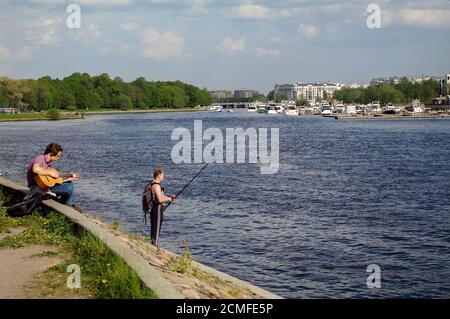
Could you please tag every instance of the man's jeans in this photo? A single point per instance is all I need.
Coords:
(66, 192)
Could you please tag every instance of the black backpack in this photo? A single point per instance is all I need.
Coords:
(29, 203)
(148, 201)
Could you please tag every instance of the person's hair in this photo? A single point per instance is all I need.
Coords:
(157, 172)
(53, 149)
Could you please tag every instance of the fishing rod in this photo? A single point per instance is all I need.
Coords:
(186, 186)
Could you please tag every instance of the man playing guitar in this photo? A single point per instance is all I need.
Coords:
(41, 166)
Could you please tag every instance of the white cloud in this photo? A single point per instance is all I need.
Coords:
(51, 2)
(4, 53)
(48, 37)
(228, 46)
(161, 45)
(263, 52)
(251, 11)
(426, 18)
(129, 26)
(197, 7)
(106, 2)
(44, 31)
(308, 30)
(46, 22)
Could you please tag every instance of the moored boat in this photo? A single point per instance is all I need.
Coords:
(291, 110)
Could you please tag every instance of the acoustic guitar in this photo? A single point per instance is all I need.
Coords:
(46, 182)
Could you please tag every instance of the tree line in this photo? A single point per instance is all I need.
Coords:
(401, 93)
(81, 91)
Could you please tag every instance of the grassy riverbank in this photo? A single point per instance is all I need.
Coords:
(36, 117)
(113, 111)
(103, 274)
(79, 114)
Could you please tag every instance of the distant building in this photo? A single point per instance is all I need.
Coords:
(445, 85)
(244, 94)
(386, 80)
(221, 94)
(397, 79)
(308, 91)
(356, 85)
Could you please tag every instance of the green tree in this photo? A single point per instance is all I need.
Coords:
(122, 102)
(280, 97)
(11, 89)
(301, 102)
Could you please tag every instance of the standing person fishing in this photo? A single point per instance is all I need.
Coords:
(153, 201)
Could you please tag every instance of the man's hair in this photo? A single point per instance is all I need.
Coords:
(157, 172)
(53, 149)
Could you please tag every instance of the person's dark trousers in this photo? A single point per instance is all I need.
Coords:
(156, 219)
(65, 192)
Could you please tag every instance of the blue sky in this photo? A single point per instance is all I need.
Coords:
(226, 44)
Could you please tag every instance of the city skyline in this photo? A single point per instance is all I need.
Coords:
(226, 44)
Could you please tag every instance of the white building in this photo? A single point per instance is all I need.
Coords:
(308, 91)
(445, 85)
(357, 85)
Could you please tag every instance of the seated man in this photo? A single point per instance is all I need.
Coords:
(41, 165)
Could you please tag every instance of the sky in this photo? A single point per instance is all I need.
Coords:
(226, 44)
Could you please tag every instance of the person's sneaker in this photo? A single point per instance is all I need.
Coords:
(155, 244)
(51, 193)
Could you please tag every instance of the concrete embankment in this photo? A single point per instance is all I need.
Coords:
(169, 275)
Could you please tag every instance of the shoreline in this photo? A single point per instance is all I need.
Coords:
(103, 112)
(80, 115)
(44, 118)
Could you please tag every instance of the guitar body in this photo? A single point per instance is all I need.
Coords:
(47, 182)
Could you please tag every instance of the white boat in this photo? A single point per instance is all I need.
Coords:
(325, 109)
(262, 108)
(271, 110)
(417, 107)
(230, 110)
(375, 107)
(350, 109)
(252, 108)
(216, 108)
(390, 109)
(279, 109)
(292, 110)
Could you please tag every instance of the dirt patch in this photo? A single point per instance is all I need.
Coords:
(13, 232)
(19, 269)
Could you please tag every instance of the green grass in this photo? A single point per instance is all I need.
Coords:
(70, 114)
(183, 263)
(104, 273)
(32, 116)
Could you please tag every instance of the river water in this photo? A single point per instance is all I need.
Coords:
(348, 194)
